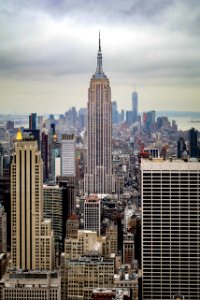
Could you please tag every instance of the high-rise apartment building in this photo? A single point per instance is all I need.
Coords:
(98, 177)
(92, 214)
(134, 106)
(27, 208)
(170, 229)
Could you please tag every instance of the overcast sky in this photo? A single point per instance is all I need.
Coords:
(48, 53)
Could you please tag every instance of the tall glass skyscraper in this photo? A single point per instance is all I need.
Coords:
(98, 177)
(135, 106)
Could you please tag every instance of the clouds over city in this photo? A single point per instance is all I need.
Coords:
(51, 45)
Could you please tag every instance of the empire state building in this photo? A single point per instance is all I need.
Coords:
(98, 177)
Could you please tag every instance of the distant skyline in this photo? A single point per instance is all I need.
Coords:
(48, 53)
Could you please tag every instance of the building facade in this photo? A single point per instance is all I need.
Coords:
(40, 285)
(3, 230)
(92, 214)
(68, 149)
(88, 273)
(170, 229)
(98, 177)
(27, 207)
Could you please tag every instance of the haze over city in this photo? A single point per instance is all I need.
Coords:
(48, 53)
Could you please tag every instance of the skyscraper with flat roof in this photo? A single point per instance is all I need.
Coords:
(68, 149)
(33, 121)
(193, 142)
(31, 236)
(92, 214)
(170, 229)
(98, 177)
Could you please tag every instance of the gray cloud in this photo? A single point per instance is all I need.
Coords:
(151, 42)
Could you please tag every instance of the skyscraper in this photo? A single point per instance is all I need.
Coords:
(170, 229)
(92, 214)
(28, 229)
(193, 144)
(181, 147)
(98, 177)
(3, 229)
(135, 106)
(115, 114)
(68, 148)
(33, 121)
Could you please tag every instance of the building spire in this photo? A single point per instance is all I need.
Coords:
(99, 42)
(99, 69)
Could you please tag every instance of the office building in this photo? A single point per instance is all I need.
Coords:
(99, 177)
(134, 106)
(86, 273)
(86, 240)
(193, 142)
(111, 294)
(45, 154)
(111, 239)
(69, 189)
(32, 285)
(3, 229)
(27, 224)
(5, 161)
(72, 226)
(54, 157)
(92, 214)
(128, 248)
(181, 147)
(115, 114)
(10, 125)
(129, 117)
(33, 121)
(170, 229)
(127, 279)
(54, 209)
(68, 149)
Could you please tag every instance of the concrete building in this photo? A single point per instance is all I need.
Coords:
(99, 177)
(127, 279)
(86, 240)
(92, 214)
(128, 248)
(72, 226)
(111, 294)
(68, 147)
(86, 273)
(111, 239)
(170, 229)
(32, 285)
(27, 222)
